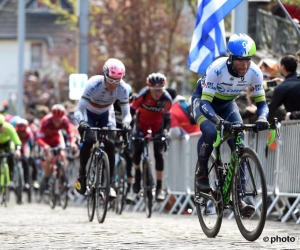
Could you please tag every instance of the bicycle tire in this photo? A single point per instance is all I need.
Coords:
(148, 185)
(5, 188)
(52, 195)
(121, 188)
(102, 187)
(62, 187)
(254, 175)
(209, 212)
(18, 185)
(91, 195)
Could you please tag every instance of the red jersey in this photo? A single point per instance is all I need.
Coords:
(48, 133)
(26, 137)
(149, 113)
(179, 118)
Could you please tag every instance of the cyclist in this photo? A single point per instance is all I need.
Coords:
(8, 139)
(127, 152)
(152, 107)
(49, 136)
(214, 96)
(95, 109)
(27, 138)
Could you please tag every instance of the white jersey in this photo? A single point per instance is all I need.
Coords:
(219, 83)
(98, 100)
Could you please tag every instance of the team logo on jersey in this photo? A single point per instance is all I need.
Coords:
(220, 88)
(258, 87)
(210, 85)
(226, 84)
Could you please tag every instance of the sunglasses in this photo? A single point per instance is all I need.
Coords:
(157, 89)
(112, 81)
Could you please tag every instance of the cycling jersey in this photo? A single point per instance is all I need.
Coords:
(27, 139)
(97, 100)
(150, 113)
(222, 85)
(9, 133)
(49, 133)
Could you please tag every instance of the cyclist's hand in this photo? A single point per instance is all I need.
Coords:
(83, 125)
(17, 153)
(261, 124)
(227, 126)
(126, 127)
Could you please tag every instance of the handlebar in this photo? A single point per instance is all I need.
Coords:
(105, 130)
(274, 127)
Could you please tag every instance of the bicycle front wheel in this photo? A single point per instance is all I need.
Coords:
(91, 198)
(249, 185)
(102, 187)
(52, 195)
(121, 187)
(210, 211)
(148, 186)
(19, 181)
(63, 187)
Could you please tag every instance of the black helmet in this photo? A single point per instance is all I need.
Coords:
(156, 80)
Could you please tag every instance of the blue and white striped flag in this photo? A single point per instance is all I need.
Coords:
(209, 39)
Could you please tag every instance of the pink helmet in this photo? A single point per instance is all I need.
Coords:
(114, 68)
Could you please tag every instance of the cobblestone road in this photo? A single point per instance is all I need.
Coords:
(37, 226)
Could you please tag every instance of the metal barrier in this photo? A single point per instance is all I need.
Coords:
(280, 167)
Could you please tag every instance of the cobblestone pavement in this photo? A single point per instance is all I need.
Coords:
(37, 226)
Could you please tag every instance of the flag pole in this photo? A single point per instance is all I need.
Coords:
(289, 17)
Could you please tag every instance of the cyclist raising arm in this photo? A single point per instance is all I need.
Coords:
(8, 135)
(95, 109)
(152, 107)
(213, 99)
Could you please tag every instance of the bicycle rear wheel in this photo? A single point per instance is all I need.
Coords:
(91, 180)
(249, 184)
(121, 186)
(102, 187)
(210, 211)
(148, 186)
(63, 187)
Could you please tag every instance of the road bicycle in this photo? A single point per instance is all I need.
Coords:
(58, 183)
(98, 174)
(4, 178)
(148, 185)
(241, 178)
(120, 172)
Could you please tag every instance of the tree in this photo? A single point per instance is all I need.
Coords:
(145, 34)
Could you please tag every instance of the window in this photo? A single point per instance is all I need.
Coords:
(36, 56)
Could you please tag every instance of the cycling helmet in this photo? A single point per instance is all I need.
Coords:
(13, 121)
(241, 47)
(58, 111)
(114, 68)
(156, 80)
(21, 125)
(2, 119)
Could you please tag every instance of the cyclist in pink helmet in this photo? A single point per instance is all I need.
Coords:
(95, 109)
(114, 71)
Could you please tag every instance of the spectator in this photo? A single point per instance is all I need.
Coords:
(282, 95)
(182, 122)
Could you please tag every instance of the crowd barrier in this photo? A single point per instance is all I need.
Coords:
(280, 165)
